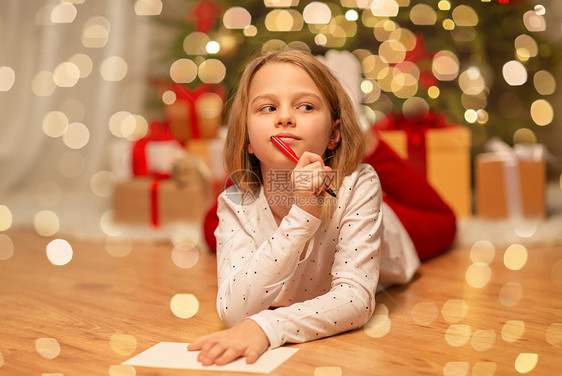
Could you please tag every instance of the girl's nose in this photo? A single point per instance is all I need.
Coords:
(285, 119)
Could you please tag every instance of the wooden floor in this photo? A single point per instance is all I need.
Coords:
(466, 313)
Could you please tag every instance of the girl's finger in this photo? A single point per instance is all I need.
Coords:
(228, 356)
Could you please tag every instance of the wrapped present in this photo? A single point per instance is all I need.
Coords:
(196, 113)
(182, 172)
(510, 183)
(144, 201)
(210, 151)
(439, 150)
(154, 155)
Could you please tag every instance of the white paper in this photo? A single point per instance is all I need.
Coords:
(175, 355)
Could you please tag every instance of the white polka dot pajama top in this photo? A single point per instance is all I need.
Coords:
(331, 288)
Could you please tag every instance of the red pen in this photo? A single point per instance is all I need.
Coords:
(293, 156)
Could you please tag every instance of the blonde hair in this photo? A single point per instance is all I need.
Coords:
(344, 159)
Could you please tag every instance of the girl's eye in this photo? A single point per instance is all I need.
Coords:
(268, 109)
(306, 107)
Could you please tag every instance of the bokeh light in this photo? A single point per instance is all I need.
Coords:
(483, 251)
(76, 136)
(524, 136)
(195, 43)
(384, 8)
(553, 333)
(185, 255)
(478, 275)
(514, 73)
(542, 112)
(445, 66)
(122, 370)
(148, 7)
(63, 12)
(526, 362)
(317, 13)
(184, 306)
(484, 369)
(6, 247)
(510, 294)
(123, 344)
(66, 74)
(43, 84)
(48, 348)
(55, 124)
(46, 223)
(183, 71)
(113, 68)
(458, 334)
(6, 218)
(169, 97)
(515, 257)
(379, 324)
(471, 81)
(102, 183)
(425, 313)
(117, 247)
(7, 78)
(513, 330)
(456, 368)
(236, 18)
(84, 64)
(212, 71)
(454, 310)
(423, 14)
(544, 82)
(483, 340)
(108, 226)
(328, 371)
(351, 15)
(464, 15)
(95, 33)
(59, 252)
(534, 22)
(213, 47)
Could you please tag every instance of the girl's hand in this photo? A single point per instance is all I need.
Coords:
(246, 340)
(309, 182)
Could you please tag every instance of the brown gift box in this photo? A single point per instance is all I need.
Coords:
(510, 185)
(447, 162)
(144, 201)
(196, 113)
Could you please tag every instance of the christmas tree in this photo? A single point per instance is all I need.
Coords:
(485, 64)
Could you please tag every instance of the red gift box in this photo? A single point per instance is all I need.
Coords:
(155, 154)
(196, 113)
(438, 150)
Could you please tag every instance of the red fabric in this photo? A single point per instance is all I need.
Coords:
(205, 14)
(158, 132)
(429, 221)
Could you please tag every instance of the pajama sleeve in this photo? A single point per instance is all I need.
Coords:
(350, 301)
(251, 275)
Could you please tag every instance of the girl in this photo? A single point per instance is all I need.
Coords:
(294, 266)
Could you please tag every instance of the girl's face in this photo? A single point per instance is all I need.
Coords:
(284, 101)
